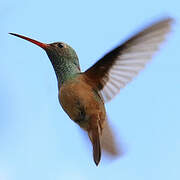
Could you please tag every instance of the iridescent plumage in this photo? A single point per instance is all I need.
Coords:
(82, 94)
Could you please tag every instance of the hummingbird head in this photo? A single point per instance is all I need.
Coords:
(63, 57)
(61, 53)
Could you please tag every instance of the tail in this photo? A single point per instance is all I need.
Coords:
(94, 137)
(108, 141)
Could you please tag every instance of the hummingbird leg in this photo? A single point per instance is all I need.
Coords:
(81, 116)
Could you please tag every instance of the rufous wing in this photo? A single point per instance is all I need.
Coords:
(117, 68)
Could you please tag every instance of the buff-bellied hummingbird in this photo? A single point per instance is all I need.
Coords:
(82, 95)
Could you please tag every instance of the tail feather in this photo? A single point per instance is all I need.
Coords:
(108, 141)
(94, 136)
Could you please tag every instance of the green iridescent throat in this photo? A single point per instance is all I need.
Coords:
(66, 72)
(65, 67)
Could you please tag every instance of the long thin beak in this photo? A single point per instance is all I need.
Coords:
(42, 45)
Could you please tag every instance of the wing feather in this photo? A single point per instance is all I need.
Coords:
(117, 68)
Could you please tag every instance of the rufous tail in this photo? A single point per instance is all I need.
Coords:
(94, 137)
(108, 141)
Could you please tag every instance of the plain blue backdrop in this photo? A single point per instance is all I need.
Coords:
(38, 140)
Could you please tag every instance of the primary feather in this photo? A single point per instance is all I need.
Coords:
(117, 68)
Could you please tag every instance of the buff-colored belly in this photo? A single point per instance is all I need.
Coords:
(81, 102)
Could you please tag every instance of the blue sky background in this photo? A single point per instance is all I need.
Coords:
(38, 140)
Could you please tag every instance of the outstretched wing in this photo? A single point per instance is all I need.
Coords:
(117, 68)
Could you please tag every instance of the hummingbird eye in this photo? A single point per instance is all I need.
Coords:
(60, 45)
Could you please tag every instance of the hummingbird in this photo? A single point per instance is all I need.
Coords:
(83, 95)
